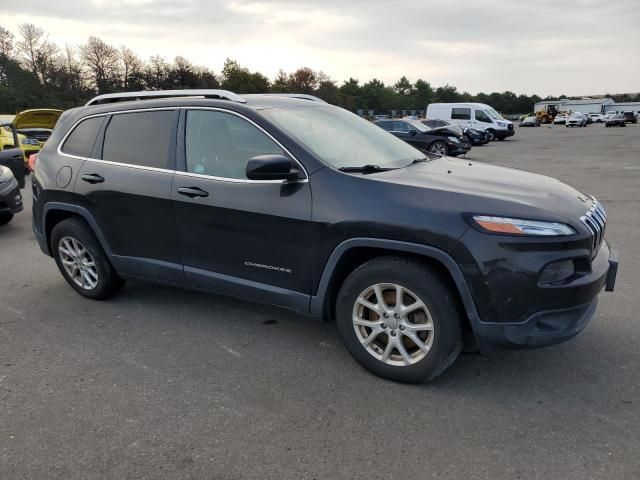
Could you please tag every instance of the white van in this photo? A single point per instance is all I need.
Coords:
(478, 116)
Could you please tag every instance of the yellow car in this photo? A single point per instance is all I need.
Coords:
(32, 127)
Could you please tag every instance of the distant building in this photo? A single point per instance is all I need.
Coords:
(624, 107)
(584, 105)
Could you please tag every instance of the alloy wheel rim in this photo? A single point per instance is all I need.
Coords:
(439, 149)
(393, 324)
(78, 263)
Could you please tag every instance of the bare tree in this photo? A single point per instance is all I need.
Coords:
(72, 68)
(102, 62)
(157, 72)
(6, 42)
(131, 68)
(29, 46)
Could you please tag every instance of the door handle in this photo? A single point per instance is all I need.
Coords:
(192, 192)
(92, 178)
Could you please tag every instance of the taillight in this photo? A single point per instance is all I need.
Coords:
(33, 158)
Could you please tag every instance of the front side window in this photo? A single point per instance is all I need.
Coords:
(481, 116)
(221, 144)
(461, 113)
(139, 138)
(80, 142)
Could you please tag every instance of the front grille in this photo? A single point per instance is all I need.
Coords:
(596, 221)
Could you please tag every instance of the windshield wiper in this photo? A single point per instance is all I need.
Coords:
(366, 169)
(420, 160)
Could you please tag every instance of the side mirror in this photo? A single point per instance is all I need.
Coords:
(413, 133)
(271, 167)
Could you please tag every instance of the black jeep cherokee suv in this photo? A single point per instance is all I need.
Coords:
(301, 204)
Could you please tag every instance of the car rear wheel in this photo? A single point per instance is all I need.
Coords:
(399, 320)
(439, 148)
(5, 218)
(82, 261)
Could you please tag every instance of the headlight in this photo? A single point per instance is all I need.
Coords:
(501, 124)
(518, 226)
(29, 141)
(472, 131)
(5, 174)
(454, 139)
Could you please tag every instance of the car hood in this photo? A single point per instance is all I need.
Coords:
(37, 118)
(449, 129)
(493, 189)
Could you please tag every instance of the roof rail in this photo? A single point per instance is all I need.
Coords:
(302, 96)
(155, 94)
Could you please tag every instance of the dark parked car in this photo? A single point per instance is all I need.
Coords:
(630, 117)
(304, 205)
(10, 198)
(617, 120)
(13, 159)
(439, 141)
(531, 121)
(474, 137)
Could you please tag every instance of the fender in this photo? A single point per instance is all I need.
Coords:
(84, 213)
(317, 304)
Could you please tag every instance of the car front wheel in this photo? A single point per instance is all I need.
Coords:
(399, 319)
(439, 148)
(5, 218)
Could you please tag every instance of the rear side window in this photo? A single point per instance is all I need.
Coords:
(80, 141)
(141, 138)
(461, 113)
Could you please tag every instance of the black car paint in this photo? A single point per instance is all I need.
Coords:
(13, 159)
(424, 140)
(473, 136)
(306, 232)
(10, 197)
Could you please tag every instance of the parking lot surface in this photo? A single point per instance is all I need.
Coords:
(168, 383)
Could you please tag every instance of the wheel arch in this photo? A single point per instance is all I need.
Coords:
(56, 212)
(354, 252)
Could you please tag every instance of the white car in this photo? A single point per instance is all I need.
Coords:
(560, 119)
(597, 117)
(577, 119)
(609, 114)
(478, 116)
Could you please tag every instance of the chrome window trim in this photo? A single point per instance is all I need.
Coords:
(179, 172)
(74, 126)
(241, 180)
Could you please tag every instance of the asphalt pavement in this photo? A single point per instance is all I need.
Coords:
(168, 383)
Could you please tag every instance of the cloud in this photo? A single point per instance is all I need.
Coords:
(545, 47)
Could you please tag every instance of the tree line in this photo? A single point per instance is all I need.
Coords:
(35, 72)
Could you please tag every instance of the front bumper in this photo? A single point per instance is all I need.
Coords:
(10, 197)
(505, 133)
(552, 313)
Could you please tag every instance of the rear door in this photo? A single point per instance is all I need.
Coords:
(127, 188)
(238, 236)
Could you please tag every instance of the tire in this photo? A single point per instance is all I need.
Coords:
(68, 239)
(442, 343)
(623, 125)
(439, 148)
(492, 135)
(5, 218)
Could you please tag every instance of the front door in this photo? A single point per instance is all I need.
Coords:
(237, 236)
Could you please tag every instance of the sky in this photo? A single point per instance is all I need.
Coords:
(547, 47)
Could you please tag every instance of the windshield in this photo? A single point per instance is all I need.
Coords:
(493, 114)
(340, 138)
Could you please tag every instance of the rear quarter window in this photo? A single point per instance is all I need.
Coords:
(82, 138)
